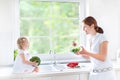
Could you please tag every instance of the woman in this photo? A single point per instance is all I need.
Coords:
(96, 49)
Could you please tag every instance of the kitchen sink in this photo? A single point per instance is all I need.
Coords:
(61, 67)
(47, 68)
(52, 67)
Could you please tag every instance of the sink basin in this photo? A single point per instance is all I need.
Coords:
(60, 67)
(47, 68)
(52, 67)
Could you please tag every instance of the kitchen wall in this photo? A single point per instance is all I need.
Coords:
(105, 11)
(8, 22)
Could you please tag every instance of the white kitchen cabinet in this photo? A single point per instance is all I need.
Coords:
(10, 79)
(14, 79)
(66, 77)
(116, 66)
(38, 78)
(84, 76)
(118, 75)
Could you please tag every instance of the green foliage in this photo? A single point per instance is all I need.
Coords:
(15, 53)
(36, 59)
(49, 25)
(76, 49)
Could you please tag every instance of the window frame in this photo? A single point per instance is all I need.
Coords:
(59, 57)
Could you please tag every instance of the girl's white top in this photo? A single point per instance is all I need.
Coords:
(19, 66)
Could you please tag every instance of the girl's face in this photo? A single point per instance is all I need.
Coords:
(26, 44)
(88, 29)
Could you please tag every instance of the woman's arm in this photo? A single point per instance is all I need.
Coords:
(101, 55)
(85, 56)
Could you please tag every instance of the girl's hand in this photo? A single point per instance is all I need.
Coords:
(35, 64)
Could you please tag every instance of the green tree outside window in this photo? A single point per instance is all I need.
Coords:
(49, 25)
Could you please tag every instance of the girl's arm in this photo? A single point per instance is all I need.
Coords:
(101, 55)
(26, 61)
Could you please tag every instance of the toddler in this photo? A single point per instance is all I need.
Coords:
(22, 63)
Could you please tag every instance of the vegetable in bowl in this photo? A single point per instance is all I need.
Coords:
(75, 49)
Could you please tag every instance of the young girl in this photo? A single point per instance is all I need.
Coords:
(22, 63)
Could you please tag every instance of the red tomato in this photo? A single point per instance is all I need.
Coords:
(72, 64)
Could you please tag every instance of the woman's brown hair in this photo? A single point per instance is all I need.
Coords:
(91, 20)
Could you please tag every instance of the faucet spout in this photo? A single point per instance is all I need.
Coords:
(53, 56)
(50, 52)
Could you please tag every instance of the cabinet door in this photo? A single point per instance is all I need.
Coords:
(38, 78)
(14, 79)
(84, 76)
(118, 75)
(66, 77)
(10, 79)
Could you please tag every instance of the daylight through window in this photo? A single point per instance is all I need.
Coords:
(50, 25)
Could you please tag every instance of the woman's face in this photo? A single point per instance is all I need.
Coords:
(87, 28)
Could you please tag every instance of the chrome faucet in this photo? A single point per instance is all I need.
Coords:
(53, 56)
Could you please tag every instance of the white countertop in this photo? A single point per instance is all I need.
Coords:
(6, 72)
(116, 65)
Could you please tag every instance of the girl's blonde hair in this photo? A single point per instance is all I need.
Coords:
(21, 42)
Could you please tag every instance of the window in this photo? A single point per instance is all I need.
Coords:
(51, 24)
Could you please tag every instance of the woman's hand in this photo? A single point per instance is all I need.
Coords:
(82, 51)
(85, 56)
(77, 53)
